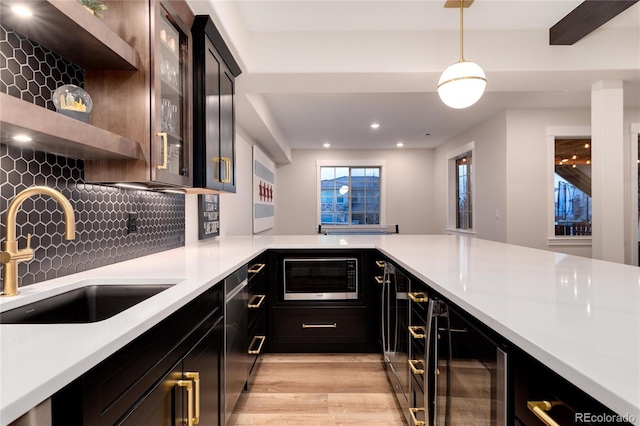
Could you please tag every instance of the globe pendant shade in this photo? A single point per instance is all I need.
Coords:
(462, 84)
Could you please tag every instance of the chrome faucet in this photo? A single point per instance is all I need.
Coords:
(11, 255)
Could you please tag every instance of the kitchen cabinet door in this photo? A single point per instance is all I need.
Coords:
(164, 405)
(204, 364)
(170, 97)
(151, 105)
(214, 130)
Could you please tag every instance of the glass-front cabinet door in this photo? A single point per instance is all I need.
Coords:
(170, 98)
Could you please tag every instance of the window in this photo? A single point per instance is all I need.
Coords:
(572, 186)
(349, 195)
(569, 202)
(464, 216)
(460, 185)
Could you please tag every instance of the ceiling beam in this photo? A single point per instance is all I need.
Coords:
(584, 19)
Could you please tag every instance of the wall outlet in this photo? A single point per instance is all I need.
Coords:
(132, 223)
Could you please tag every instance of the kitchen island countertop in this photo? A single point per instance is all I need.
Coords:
(578, 316)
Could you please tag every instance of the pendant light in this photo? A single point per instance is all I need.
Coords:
(462, 84)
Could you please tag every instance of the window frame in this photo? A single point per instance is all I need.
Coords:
(354, 164)
(469, 150)
(554, 132)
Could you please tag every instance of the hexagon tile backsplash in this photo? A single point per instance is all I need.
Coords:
(100, 211)
(32, 72)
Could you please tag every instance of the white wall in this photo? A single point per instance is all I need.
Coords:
(527, 171)
(490, 178)
(409, 189)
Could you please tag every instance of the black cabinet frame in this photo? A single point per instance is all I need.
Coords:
(214, 131)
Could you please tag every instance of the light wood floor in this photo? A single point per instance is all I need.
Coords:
(319, 389)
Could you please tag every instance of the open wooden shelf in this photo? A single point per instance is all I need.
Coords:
(68, 29)
(58, 134)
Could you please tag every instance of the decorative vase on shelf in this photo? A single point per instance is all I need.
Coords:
(73, 101)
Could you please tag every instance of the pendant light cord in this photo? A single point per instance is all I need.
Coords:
(461, 31)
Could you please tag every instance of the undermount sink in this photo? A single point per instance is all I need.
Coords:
(87, 304)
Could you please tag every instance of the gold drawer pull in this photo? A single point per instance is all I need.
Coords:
(165, 149)
(381, 263)
(379, 279)
(414, 369)
(334, 325)
(189, 385)
(252, 305)
(414, 419)
(256, 268)
(418, 332)
(418, 297)
(195, 376)
(540, 408)
(257, 351)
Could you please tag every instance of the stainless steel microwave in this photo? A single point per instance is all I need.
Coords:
(331, 278)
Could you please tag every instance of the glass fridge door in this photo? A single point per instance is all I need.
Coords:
(470, 375)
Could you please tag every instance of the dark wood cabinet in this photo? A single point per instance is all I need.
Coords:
(541, 393)
(151, 105)
(214, 73)
(170, 96)
(147, 381)
(189, 390)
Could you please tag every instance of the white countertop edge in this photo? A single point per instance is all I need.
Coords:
(14, 408)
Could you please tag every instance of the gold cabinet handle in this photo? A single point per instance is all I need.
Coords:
(414, 369)
(379, 279)
(195, 376)
(256, 305)
(254, 269)
(334, 325)
(165, 151)
(228, 161)
(418, 297)
(227, 168)
(189, 385)
(418, 332)
(257, 351)
(540, 408)
(381, 263)
(414, 419)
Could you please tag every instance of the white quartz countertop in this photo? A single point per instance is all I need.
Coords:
(578, 316)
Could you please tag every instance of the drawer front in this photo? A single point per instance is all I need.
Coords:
(257, 270)
(417, 412)
(417, 356)
(256, 308)
(319, 325)
(256, 342)
(419, 305)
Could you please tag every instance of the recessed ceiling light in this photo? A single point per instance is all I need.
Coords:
(22, 11)
(22, 138)
(326, 144)
(399, 144)
(375, 125)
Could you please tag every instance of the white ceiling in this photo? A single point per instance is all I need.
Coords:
(323, 71)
